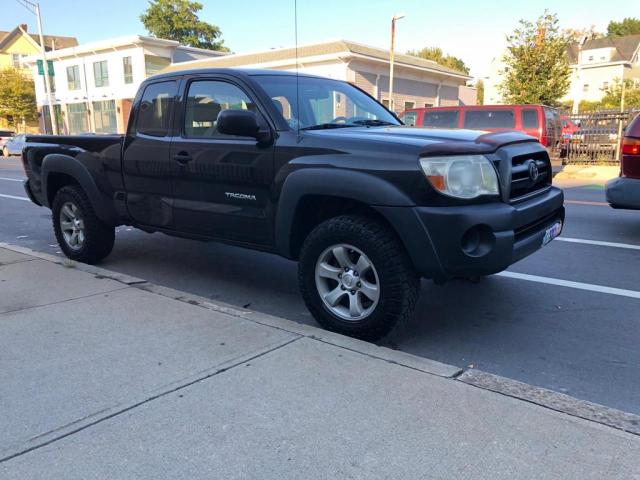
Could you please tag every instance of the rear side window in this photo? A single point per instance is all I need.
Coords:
(480, 119)
(441, 119)
(409, 118)
(156, 106)
(6, 133)
(530, 118)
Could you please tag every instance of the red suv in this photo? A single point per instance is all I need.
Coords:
(538, 121)
(624, 191)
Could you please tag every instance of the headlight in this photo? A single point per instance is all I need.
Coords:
(461, 176)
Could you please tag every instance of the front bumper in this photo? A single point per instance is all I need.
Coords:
(474, 240)
(623, 192)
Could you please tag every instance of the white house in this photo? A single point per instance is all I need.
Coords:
(417, 82)
(94, 83)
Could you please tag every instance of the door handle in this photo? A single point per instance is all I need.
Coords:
(182, 158)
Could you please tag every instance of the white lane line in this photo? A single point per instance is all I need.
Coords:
(621, 292)
(11, 179)
(598, 242)
(14, 197)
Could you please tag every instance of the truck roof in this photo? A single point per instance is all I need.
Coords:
(246, 72)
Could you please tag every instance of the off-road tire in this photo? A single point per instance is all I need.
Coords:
(399, 282)
(99, 237)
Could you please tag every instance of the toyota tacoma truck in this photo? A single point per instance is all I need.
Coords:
(309, 168)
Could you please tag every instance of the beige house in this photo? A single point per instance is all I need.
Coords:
(600, 63)
(417, 82)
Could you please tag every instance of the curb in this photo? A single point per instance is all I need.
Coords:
(559, 402)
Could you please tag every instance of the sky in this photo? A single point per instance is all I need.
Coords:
(472, 30)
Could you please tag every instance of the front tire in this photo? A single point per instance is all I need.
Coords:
(82, 236)
(5, 152)
(356, 277)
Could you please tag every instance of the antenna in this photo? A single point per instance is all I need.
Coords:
(295, 15)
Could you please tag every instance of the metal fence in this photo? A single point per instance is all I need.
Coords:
(596, 137)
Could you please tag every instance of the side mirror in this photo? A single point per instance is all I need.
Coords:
(243, 123)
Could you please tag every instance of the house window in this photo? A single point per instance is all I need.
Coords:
(101, 74)
(428, 105)
(585, 87)
(605, 85)
(73, 77)
(16, 60)
(385, 102)
(153, 65)
(127, 67)
(409, 105)
(591, 58)
(104, 116)
(78, 119)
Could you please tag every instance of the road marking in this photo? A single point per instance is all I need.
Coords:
(567, 283)
(599, 243)
(14, 197)
(11, 179)
(585, 202)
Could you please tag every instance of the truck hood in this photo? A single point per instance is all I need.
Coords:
(429, 141)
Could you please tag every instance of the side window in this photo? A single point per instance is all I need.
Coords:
(154, 113)
(441, 119)
(480, 119)
(409, 118)
(205, 100)
(530, 118)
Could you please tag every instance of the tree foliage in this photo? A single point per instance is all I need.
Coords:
(17, 97)
(437, 55)
(628, 26)
(480, 92)
(178, 20)
(536, 66)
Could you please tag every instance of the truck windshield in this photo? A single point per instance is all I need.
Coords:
(323, 103)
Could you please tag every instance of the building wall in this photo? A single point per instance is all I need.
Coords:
(468, 95)
(594, 77)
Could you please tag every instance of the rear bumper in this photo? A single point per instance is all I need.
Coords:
(474, 240)
(623, 192)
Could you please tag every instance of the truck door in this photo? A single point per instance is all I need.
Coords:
(146, 163)
(221, 182)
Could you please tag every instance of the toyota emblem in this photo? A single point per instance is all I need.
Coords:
(534, 173)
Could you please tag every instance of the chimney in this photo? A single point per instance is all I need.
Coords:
(24, 26)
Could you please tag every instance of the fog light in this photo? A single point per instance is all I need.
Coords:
(478, 241)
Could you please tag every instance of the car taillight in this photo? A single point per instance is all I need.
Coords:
(630, 163)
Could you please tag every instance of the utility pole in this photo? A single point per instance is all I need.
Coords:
(620, 120)
(391, 58)
(576, 93)
(45, 65)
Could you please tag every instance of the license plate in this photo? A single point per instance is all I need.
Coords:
(552, 232)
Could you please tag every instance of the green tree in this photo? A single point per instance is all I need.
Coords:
(613, 95)
(437, 55)
(178, 20)
(536, 67)
(480, 92)
(17, 97)
(628, 26)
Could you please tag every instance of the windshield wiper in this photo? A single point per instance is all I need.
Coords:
(372, 122)
(322, 126)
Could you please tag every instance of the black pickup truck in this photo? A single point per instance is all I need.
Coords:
(309, 168)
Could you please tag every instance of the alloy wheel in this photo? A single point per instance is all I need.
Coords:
(72, 225)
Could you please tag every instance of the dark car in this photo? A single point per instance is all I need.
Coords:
(309, 168)
(539, 121)
(624, 191)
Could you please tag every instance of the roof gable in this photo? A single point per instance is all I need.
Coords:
(625, 47)
(51, 42)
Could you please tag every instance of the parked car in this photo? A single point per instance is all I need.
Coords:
(624, 191)
(366, 205)
(14, 145)
(569, 129)
(539, 121)
(4, 136)
(596, 137)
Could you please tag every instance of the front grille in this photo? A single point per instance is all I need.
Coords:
(523, 182)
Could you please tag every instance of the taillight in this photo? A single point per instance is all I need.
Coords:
(630, 162)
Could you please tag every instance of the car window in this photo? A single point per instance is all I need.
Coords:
(441, 119)
(6, 133)
(205, 100)
(530, 118)
(480, 119)
(409, 118)
(156, 106)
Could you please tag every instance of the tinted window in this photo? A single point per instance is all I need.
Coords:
(409, 118)
(155, 109)
(441, 119)
(480, 119)
(530, 118)
(6, 133)
(206, 100)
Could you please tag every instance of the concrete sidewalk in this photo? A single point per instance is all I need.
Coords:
(107, 376)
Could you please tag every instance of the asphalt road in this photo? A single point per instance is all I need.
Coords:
(581, 338)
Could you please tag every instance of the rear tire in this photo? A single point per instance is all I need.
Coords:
(356, 277)
(82, 236)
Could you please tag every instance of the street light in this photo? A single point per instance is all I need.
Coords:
(391, 55)
(35, 9)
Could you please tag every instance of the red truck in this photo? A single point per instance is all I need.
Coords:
(539, 121)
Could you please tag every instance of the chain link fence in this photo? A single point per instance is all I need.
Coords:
(596, 137)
